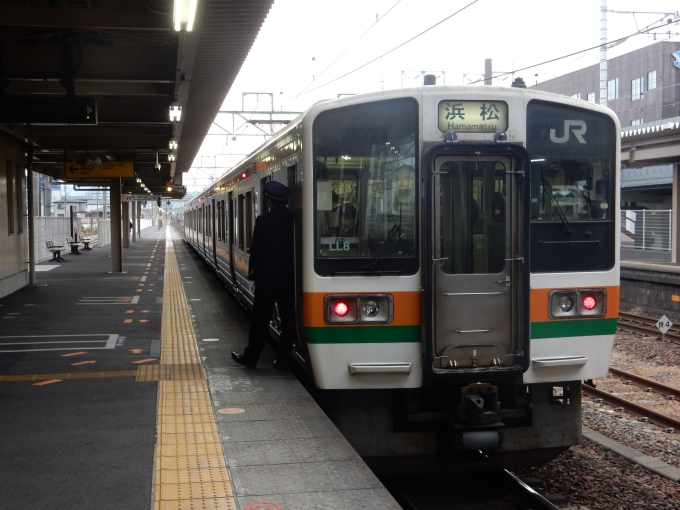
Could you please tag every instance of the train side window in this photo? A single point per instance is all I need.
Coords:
(218, 221)
(223, 218)
(240, 223)
(248, 231)
(264, 206)
(208, 221)
(230, 219)
(200, 220)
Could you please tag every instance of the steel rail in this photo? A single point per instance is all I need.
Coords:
(646, 326)
(525, 494)
(651, 321)
(631, 407)
(643, 382)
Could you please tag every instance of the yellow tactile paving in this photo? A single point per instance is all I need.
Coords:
(189, 466)
(196, 504)
(189, 476)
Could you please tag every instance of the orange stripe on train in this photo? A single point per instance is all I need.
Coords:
(407, 308)
(539, 302)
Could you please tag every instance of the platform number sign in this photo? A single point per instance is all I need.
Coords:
(664, 324)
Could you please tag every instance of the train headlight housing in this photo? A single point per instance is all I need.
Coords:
(358, 309)
(568, 304)
(370, 308)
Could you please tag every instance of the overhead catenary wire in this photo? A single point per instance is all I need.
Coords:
(392, 50)
(645, 30)
(350, 47)
(327, 42)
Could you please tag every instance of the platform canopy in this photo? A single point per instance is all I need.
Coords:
(85, 82)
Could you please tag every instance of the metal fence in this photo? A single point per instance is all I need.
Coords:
(646, 230)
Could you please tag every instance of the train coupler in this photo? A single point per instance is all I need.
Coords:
(479, 405)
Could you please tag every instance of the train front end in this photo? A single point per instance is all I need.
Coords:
(460, 270)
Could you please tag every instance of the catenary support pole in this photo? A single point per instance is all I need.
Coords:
(133, 207)
(116, 238)
(126, 224)
(139, 220)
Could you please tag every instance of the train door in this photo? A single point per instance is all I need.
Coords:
(231, 240)
(213, 232)
(476, 279)
(201, 229)
(294, 204)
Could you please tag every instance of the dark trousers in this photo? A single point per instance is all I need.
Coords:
(265, 298)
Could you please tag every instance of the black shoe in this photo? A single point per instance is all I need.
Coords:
(242, 360)
(281, 365)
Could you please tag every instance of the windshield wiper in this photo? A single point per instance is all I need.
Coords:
(396, 228)
(547, 189)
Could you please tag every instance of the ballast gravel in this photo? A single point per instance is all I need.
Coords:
(590, 477)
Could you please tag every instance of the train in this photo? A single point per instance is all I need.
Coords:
(457, 266)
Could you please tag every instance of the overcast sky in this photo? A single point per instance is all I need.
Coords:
(305, 47)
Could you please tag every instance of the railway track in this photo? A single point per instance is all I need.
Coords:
(662, 420)
(500, 490)
(646, 326)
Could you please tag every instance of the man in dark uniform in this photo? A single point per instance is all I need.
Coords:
(271, 267)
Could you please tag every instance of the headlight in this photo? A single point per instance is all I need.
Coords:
(565, 304)
(353, 309)
(370, 308)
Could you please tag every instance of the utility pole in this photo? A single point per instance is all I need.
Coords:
(488, 74)
(603, 53)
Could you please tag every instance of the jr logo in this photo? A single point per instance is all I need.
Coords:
(578, 127)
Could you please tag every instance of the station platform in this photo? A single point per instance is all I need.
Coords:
(648, 260)
(118, 391)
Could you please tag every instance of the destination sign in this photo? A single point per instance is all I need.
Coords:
(473, 116)
(103, 170)
(138, 198)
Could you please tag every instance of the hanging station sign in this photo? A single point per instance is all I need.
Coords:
(104, 170)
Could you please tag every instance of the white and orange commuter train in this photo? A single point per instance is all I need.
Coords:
(457, 267)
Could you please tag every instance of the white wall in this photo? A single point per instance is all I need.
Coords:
(13, 247)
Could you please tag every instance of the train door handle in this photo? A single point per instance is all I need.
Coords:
(505, 281)
(434, 261)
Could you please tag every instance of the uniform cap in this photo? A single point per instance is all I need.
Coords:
(276, 190)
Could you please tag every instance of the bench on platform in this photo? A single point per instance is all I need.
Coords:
(55, 250)
(86, 240)
(74, 245)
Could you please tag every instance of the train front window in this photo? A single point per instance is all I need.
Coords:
(573, 171)
(576, 189)
(366, 188)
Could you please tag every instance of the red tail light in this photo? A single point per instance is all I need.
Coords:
(589, 302)
(341, 308)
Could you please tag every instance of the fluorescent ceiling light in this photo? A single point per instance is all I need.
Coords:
(184, 14)
(175, 113)
(173, 145)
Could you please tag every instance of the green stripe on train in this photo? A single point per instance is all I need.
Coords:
(575, 327)
(363, 334)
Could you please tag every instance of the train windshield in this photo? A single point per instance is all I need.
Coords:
(366, 188)
(573, 170)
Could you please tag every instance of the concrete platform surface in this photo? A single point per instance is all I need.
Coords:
(119, 391)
